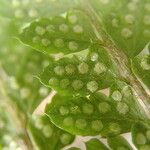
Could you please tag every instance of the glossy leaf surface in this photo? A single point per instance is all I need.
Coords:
(78, 76)
(67, 34)
(91, 116)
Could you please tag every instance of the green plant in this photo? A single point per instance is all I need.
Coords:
(94, 54)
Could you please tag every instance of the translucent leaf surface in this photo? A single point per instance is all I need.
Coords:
(127, 22)
(119, 143)
(141, 136)
(60, 34)
(141, 67)
(95, 144)
(74, 75)
(46, 136)
(90, 116)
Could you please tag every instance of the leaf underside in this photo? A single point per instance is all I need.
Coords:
(59, 34)
(94, 115)
(141, 136)
(77, 76)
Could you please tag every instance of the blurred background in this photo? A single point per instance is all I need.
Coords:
(20, 90)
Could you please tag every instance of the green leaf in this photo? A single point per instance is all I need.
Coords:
(123, 95)
(141, 67)
(119, 143)
(46, 136)
(91, 115)
(67, 34)
(78, 76)
(141, 136)
(127, 22)
(95, 144)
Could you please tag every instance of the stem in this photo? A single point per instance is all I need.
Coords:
(118, 56)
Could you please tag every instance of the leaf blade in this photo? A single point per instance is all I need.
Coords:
(95, 143)
(140, 135)
(60, 34)
(77, 76)
(88, 116)
(118, 142)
